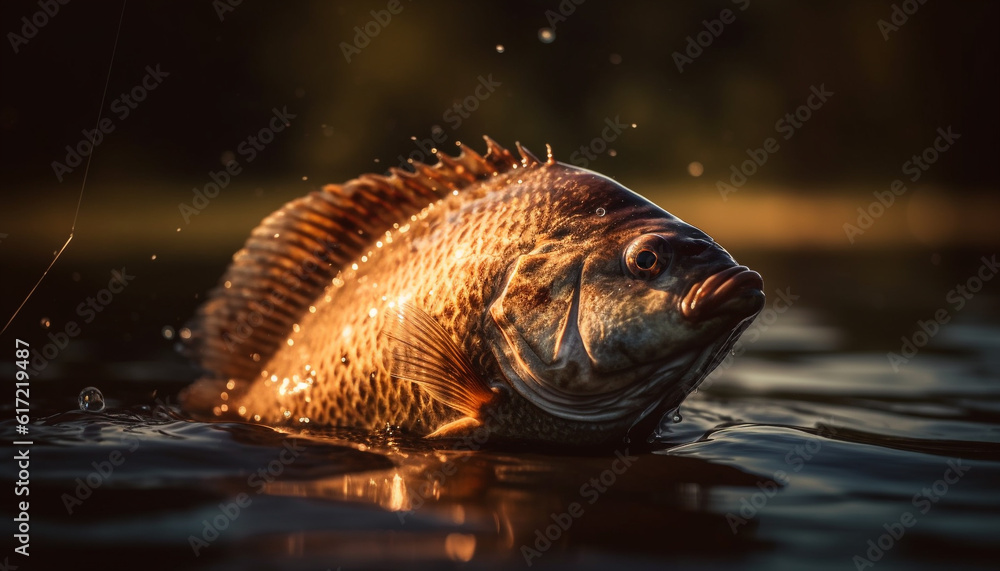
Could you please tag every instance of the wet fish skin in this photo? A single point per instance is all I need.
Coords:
(544, 334)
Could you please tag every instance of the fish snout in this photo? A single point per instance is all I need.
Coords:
(735, 290)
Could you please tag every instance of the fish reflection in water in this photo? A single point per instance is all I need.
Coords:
(490, 501)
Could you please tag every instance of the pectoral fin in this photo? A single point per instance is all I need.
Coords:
(422, 352)
(457, 428)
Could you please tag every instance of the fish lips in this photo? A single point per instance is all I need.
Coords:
(735, 291)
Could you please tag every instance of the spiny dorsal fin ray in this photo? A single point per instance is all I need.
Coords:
(295, 252)
(424, 353)
(528, 159)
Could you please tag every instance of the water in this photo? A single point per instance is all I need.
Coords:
(805, 451)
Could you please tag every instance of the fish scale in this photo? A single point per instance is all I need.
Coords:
(445, 285)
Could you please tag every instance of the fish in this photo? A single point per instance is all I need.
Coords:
(508, 297)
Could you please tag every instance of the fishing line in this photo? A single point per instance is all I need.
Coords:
(83, 185)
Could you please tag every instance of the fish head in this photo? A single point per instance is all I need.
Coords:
(621, 309)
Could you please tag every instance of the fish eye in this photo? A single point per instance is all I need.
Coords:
(647, 256)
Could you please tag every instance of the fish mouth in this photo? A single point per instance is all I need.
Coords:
(735, 288)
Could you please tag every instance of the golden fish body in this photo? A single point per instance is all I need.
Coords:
(530, 299)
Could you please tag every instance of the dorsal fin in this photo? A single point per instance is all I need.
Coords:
(291, 257)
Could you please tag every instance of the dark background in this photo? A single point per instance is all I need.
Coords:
(608, 61)
(939, 69)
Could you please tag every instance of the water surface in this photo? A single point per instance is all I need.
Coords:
(807, 450)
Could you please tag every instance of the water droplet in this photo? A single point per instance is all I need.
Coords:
(500, 48)
(345, 360)
(168, 332)
(91, 400)
(153, 257)
(185, 333)
(601, 212)
(677, 417)
(695, 169)
(46, 323)
(547, 35)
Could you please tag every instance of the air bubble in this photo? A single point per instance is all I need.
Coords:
(547, 35)
(167, 332)
(601, 212)
(46, 323)
(91, 400)
(500, 48)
